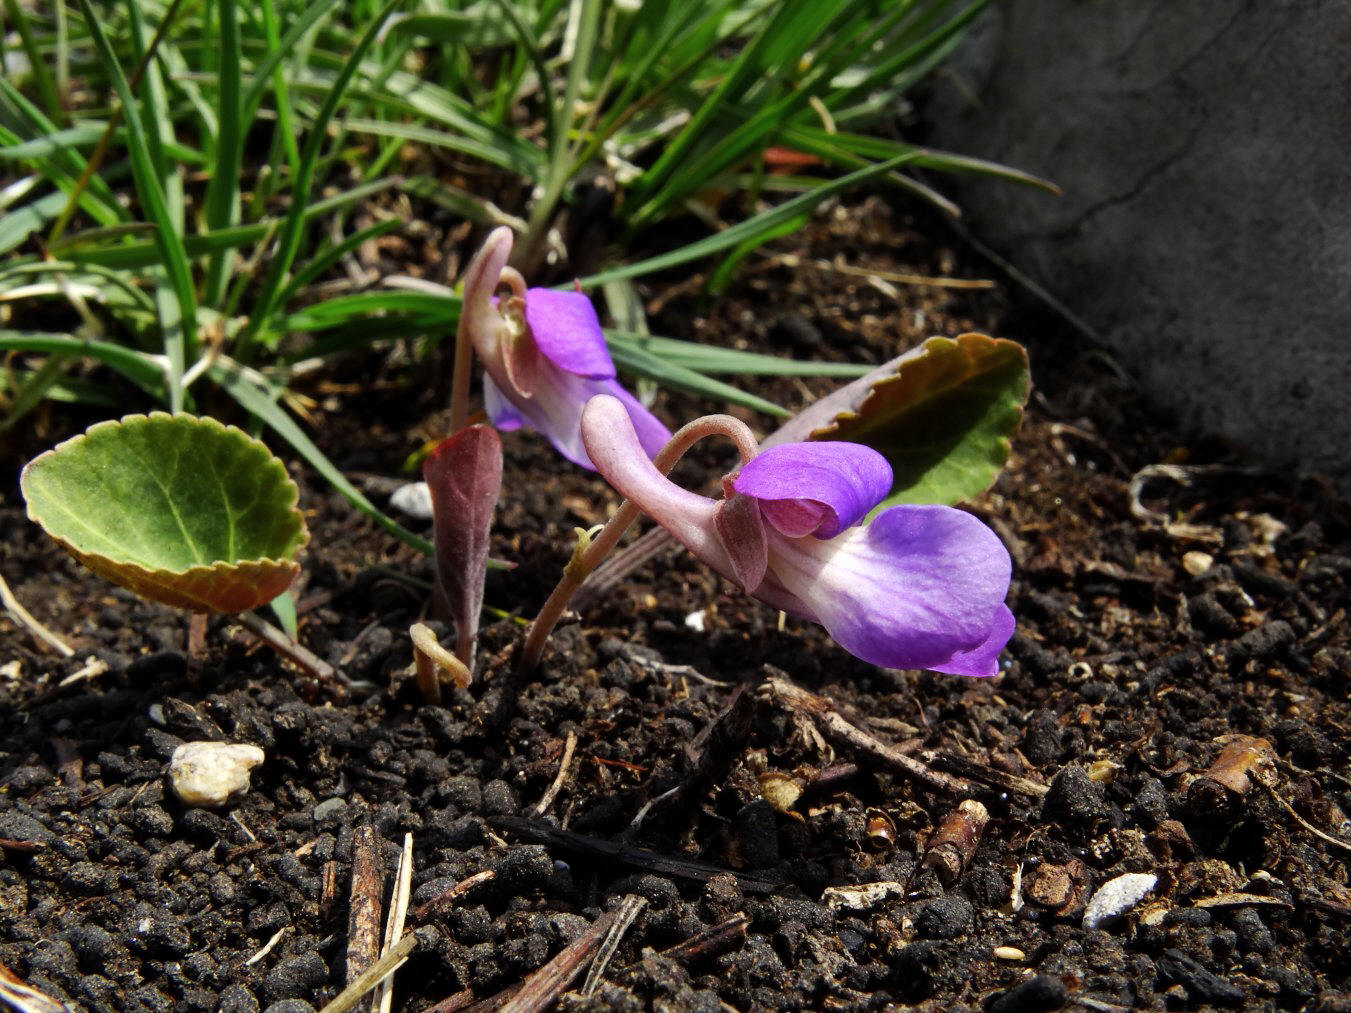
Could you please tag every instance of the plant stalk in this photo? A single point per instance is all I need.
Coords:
(589, 554)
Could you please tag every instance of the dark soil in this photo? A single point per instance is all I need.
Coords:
(1137, 661)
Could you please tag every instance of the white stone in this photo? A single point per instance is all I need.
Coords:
(413, 499)
(1118, 896)
(207, 774)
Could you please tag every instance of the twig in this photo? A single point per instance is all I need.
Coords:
(985, 775)
(267, 947)
(1182, 475)
(564, 766)
(288, 648)
(712, 941)
(453, 1003)
(543, 987)
(792, 260)
(91, 669)
(328, 893)
(711, 754)
(24, 618)
(373, 975)
(363, 916)
(615, 851)
(631, 907)
(1328, 838)
(444, 899)
(398, 911)
(837, 727)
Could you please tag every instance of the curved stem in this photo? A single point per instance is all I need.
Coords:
(459, 375)
(583, 562)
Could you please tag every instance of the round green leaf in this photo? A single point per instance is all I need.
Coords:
(943, 416)
(180, 509)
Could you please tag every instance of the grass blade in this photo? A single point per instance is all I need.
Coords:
(37, 64)
(638, 362)
(757, 225)
(133, 256)
(222, 190)
(168, 240)
(141, 369)
(258, 396)
(714, 359)
(289, 242)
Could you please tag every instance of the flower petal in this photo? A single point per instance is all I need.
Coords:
(983, 660)
(919, 587)
(501, 412)
(567, 331)
(555, 411)
(816, 488)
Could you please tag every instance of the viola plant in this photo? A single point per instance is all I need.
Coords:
(544, 355)
(921, 586)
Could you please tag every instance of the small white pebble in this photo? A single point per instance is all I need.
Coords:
(695, 621)
(156, 714)
(1118, 896)
(1009, 953)
(206, 774)
(413, 499)
(1197, 563)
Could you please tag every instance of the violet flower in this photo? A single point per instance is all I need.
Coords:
(918, 587)
(543, 354)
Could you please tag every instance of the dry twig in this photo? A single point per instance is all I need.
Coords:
(373, 975)
(631, 907)
(24, 618)
(398, 911)
(564, 767)
(837, 727)
(363, 916)
(543, 987)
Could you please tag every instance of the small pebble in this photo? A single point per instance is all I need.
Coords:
(1009, 953)
(1116, 897)
(1197, 563)
(327, 808)
(414, 500)
(206, 774)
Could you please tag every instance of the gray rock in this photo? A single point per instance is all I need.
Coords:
(1205, 226)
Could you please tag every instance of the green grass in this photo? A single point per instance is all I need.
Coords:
(186, 222)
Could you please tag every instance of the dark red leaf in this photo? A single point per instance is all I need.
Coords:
(464, 475)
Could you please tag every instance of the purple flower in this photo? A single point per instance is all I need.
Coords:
(918, 587)
(543, 354)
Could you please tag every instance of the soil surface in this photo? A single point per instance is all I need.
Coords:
(1173, 708)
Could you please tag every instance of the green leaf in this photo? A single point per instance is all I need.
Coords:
(180, 509)
(942, 414)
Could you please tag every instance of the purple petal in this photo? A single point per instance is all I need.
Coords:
(919, 587)
(816, 488)
(501, 411)
(555, 411)
(567, 331)
(983, 660)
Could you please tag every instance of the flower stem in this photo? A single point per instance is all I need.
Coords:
(583, 562)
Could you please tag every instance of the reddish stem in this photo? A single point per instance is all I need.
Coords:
(581, 564)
